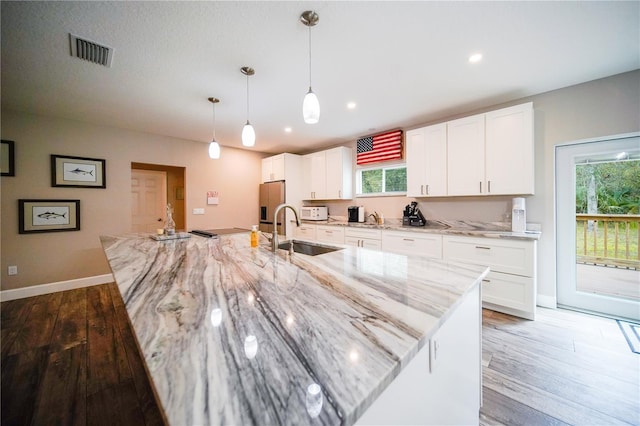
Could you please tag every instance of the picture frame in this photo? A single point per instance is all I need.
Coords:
(36, 216)
(7, 158)
(78, 172)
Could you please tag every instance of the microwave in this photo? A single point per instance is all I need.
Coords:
(314, 213)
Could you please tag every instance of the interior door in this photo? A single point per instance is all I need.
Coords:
(572, 288)
(148, 200)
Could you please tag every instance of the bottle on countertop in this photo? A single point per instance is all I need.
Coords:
(169, 223)
(254, 236)
(518, 215)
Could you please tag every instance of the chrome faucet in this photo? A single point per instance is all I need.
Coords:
(274, 239)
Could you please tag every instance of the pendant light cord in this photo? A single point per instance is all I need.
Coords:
(247, 97)
(214, 122)
(309, 57)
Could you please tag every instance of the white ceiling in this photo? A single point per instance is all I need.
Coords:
(403, 63)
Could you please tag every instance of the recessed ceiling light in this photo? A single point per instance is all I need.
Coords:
(288, 129)
(351, 105)
(475, 58)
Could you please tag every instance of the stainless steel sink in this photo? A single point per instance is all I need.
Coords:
(306, 247)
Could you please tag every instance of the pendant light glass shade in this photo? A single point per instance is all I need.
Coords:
(214, 146)
(310, 104)
(248, 135)
(214, 150)
(311, 108)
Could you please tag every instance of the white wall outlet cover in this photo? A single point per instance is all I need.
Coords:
(12, 270)
(198, 211)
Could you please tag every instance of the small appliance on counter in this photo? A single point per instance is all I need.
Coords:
(314, 213)
(518, 215)
(412, 216)
(355, 213)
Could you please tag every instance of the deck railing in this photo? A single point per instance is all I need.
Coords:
(608, 239)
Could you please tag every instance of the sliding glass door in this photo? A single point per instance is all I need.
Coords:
(597, 225)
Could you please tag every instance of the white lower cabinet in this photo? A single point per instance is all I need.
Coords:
(305, 232)
(361, 237)
(407, 242)
(329, 234)
(442, 384)
(510, 287)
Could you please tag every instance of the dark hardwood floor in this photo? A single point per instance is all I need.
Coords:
(71, 358)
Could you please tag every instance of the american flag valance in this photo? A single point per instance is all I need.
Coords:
(382, 147)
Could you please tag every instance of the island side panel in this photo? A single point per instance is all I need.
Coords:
(443, 383)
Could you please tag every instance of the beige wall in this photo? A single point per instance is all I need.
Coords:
(60, 256)
(602, 107)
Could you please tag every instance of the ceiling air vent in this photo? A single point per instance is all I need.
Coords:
(90, 51)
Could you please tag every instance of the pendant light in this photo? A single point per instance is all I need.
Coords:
(310, 104)
(214, 146)
(248, 134)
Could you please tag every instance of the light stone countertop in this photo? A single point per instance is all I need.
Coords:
(444, 227)
(235, 335)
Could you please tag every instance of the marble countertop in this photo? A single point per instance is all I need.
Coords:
(235, 335)
(445, 227)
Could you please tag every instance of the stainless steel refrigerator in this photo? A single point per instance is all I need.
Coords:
(271, 194)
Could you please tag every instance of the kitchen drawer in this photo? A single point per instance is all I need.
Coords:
(372, 234)
(510, 291)
(428, 245)
(508, 256)
(363, 242)
(330, 234)
(305, 232)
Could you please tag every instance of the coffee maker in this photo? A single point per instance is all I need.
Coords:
(412, 216)
(355, 213)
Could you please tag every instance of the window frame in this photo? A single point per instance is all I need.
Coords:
(384, 168)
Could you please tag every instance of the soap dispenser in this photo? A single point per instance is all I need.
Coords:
(254, 236)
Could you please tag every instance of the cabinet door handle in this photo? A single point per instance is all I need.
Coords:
(339, 193)
(421, 189)
(408, 239)
(427, 189)
(481, 187)
(486, 281)
(488, 186)
(483, 248)
(328, 232)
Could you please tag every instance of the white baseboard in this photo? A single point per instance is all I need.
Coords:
(37, 290)
(546, 301)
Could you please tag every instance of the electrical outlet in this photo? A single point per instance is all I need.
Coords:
(12, 270)
(198, 211)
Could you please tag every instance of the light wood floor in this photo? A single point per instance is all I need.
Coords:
(71, 358)
(608, 281)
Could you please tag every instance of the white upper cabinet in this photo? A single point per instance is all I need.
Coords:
(273, 168)
(465, 156)
(327, 175)
(509, 150)
(427, 161)
(492, 153)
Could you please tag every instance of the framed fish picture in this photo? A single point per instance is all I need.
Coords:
(48, 216)
(7, 158)
(78, 172)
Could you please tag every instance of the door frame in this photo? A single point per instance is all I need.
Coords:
(176, 193)
(565, 230)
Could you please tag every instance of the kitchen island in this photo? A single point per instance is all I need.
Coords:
(235, 335)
